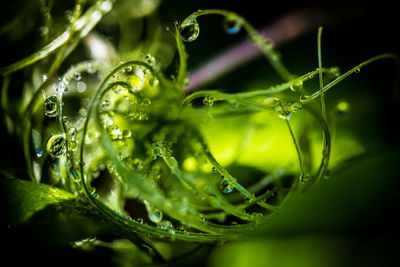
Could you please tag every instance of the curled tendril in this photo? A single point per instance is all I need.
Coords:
(139, 129)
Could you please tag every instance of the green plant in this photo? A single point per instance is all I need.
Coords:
(123, 143)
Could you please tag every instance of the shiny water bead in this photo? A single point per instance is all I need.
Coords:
(73, 145)
(165, 224)
(155, 215)
(208, 100)
(154, 81)
(77, 76)
(271, 101)
(50, 106)
(231, 24)
(296, 86)
(304, 98)
(146, 101)
(285, 115)
(66, 120)
(304, 178)
(225, 186)
(342, 109)
(114, 132)
(56, 145)
(150, 59)
(189, 29)
(37, 142)
(126, 133)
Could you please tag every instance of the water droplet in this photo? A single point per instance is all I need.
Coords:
(72, 133)
(44, 30)
(83, 112)
(296, 86)
(56, 145)
(44, 77)
(155, 215)
(304, 98)
(154, 81)
(81, 87)
(69, 15)
(77, 76)
(126, 133)
(214, 169)
(114, 132)
(295, 107)
(231, 24)
(165, 224)
(66, 120)
(117, 89)
(150, 59)
(271, 101)
(225, 186)
(342, 109)
(50, 106)
(358, 70)
(105, 104)
(37, 142)
(208, 100)
(189, 29)
(146, 101)
(37, 170)
(128, 69)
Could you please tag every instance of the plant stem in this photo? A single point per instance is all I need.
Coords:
(285, 29)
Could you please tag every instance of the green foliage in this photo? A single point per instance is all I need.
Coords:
(116, 150)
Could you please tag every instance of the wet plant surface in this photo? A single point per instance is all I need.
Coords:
(124, 146)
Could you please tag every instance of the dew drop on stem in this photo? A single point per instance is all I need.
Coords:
(304, 98)
(295, 107)
(225, 186)
(37, 142)
(155, 215)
